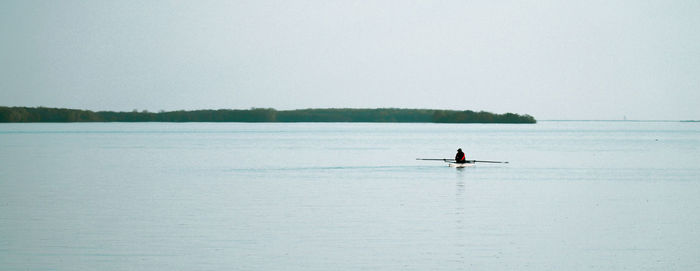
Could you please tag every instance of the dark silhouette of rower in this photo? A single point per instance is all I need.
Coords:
(460, 157)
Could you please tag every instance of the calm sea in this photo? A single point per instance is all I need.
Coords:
(349, 196)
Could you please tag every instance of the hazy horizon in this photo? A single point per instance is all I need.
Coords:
(571, 60)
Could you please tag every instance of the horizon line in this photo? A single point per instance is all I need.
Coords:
(616, 120)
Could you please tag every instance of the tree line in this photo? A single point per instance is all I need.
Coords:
(45, 114)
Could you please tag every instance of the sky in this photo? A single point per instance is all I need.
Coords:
(550, 59)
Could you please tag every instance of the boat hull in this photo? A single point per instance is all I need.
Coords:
(459, 165)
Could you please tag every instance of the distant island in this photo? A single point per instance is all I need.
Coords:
(45, 114)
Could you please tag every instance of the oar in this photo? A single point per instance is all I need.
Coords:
(434, 159)
(483, 161)
(469, 161)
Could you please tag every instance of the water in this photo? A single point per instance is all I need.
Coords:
(339, 196)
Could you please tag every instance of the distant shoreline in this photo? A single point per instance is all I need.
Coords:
(46, 114)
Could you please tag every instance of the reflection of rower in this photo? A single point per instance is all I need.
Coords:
(460, 157)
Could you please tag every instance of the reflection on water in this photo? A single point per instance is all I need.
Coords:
(460, 244)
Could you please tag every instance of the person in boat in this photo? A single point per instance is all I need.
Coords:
(460, 157)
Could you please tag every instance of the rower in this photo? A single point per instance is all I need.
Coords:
(460, 157)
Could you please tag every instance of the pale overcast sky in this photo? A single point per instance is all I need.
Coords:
(551, 59)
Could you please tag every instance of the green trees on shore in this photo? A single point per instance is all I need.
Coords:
(468, 116)
(44, 114)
